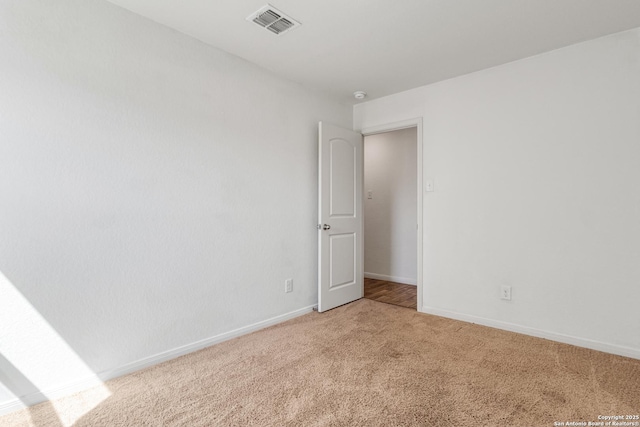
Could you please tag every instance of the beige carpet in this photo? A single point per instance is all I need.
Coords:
(367, 364)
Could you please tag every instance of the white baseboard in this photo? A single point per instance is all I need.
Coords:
(31, 399)
(95, 380)
(397, 279)
(12, 405)
(198, 345)
(553, 336)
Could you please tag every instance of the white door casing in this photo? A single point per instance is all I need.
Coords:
(340, 225)
(390, 127)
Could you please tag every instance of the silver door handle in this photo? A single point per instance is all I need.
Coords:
(326, 227)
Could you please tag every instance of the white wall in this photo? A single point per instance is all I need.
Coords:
(390, 171)
(536, 166)
(154, 191)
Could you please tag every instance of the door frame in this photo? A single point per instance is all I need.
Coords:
(389, 127)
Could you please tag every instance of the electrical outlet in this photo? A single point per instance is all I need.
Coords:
(505, 293)
(288, 285)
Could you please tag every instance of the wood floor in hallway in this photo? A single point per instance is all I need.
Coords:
(391, 293)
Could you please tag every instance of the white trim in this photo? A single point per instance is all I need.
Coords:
(12, 405)
(83, 384)
(52, 393)
(390, 127)
(404, 124)
(397, 279)
(553, 336)
(198, 345)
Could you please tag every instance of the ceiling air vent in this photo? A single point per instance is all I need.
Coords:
(270, 18)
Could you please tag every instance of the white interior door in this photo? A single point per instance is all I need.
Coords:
(340, 227)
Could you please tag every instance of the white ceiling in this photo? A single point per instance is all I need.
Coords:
(385, 46)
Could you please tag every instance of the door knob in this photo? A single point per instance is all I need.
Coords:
(326, 227)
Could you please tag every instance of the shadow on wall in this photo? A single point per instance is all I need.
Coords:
(37, 365)
(27, 393)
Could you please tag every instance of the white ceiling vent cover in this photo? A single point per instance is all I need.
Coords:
(270, 18)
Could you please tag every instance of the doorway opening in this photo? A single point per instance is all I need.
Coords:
(392, 231)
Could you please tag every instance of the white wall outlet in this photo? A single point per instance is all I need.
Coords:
(429, 186)
(369, 194)
(288, 285)
(505, 293)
